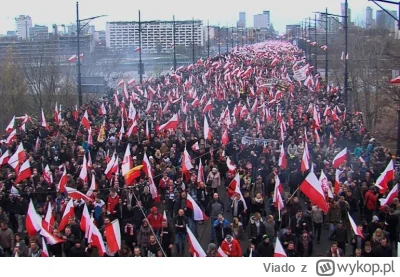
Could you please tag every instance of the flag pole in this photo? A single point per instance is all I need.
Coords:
(293, 194)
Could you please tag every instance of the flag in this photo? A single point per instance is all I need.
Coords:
(85, 221)
(225, 137)
(198, 214)
(68, 212)
(282, 158)
(231, 166)
(45, 252)
(10, 126)
(277, 200)
(356, 231)
(194, 246)
(391, 195)
(96, 239)
(386, 176)
(85, 120)
(132, 174)
(304, 161)
(311, 187)
(11, 138)
(111, 167)
(207, 107)
(56, 115)
(50, 238)
(221, 253)
(90, 137)
(395, 81)
(76, 194)
(132, 129)
(17, 158)
(47, 175)
(195, 147)
(279, 251)
(186, 161)
(4, 158)
(112, 233)
(63, 182)
(206, 129)
(165, 216)
(337, 182)
(200, 173)
(234, 188)
(127, 162)
(340, 158)
(49, 219)
(44, 122)
(93, 186)
(33, 221)
(83, 175)
(24, 172)
(170, 124)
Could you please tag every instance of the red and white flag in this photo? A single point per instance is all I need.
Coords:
(85, 120)
(195, 248)
(391, 195)
(47, 175)
(56, 115)
(48, 220)
(24, 172)
(200, 173)
(231, 166)
(63, 182)
(225, 137)
(45, 252)
(93, 186)
(206, 129)
(5, 158)
(195, 147)
(11, 138)
(311, 188)
(305, 164)
(33, 221)
(386, 176)
(234, 188)
(68, 213)
(186, 161)
(356, 230)
(44, 122)
(340, 158)
(111, 167)
(85, 221)
(112, 233)
(336, 187)
(127, 162)
(83, 175)
(279, 251)
(198, 214)
(282, 158)
(147, 170)
(96, 239)
(221, 253)
(102, 109)
(10, 126)
(170, 124)
(76, 194)
(278, 200)
(132, 129)
(17, 158)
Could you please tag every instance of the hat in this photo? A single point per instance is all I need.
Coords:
(265, 237)
(228, 237)
(212, 246)
(375, 218)
(154, 210)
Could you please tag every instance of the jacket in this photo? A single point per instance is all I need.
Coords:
(155, 223)
(265, 249)
(253, 228)
(112, 202)
(231, 249)
(6, 238)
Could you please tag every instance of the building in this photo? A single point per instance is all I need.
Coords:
(333, 25)
(262, 20)
(38, 32)
(368, 18)
(242, 20)
(385, 21)
(11, 33)
(86, 30)
(157, 36)
(23, 23)
(390, 21)
(343, 13)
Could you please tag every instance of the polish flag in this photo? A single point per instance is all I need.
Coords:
(316, 136)
(83, 175)
(33, 221)
(324, 47)
(221, 253)
(68, 212)
(137, 49)
(186, 161)
(112, 233)
(361, 159)
(386, 176)
(195, 102)
(44, 122)
(336, 188)
(170, 124)
(24, 172)
(96, 239)
(231, 166)
(389, 198)
(340, 158)
(195, 248)
(10, 126)
(76, 194)
(56, 115)
(147, 131)
(4, 158)
(17, 158)
(324, 184)
(331, 139)
(395, 80)
(316, 121)
(63, 182)
(282, 158)
(234, 188)
(195, 147)
(206, 129)
(50, 238)
(278, 200)
(165, 216)
(147, 170)
(110, 169)
(225, 137)
(47, 176)
(132, 129)
(200, 173)
(207, 107)
(48, 220)
(85, 120)
(102, 110)
(279, 251)
(127, 162)
(305, 162)
(356, 231)
(198, 214)
(11, 137)
(311, 187)
(132, 114)
(85, 221)
(93, 186)
(45, 252)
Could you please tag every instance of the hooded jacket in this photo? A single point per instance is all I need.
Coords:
(231, 249)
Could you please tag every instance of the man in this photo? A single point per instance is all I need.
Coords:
(287, 237)
(155, 219)
(334, 251)
(215, 207)
(383, 250)
(290, 250)
(265, 248)
(180, 222)
(153, 247)
(270, 227)
(340, 236)
(222, 228)
(257, 228)
(231, 247)
(6, 239)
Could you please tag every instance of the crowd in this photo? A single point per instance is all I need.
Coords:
(162, 159)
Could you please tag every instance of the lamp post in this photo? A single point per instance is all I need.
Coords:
(208, 39)
(193, 50)
(326, 43)
(174, 32)
(78, 32)
(219, 40)
(227, 39)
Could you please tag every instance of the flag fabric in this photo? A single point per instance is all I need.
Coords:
(391, 195)
(186, 162)
(127, 162)
(68, 212)
(96, 239)
(231, 166)
(395, 81)
(33, 221)
(356, 231)
(113, 236)
(311, 188)
(63, 182)
(11, 138)
(198, 214)
(234, 188)
(44, 122)
(147, 170)
(195, 147)
(386, 176)
(221, 253)
(340, 158)
(93, 186)
(85, 120)
(47, 175)
(132, 174)
(83, 175)
(4, 158)
(10, 126)
(225, 137)
(24, 172)
(282, 163)
(170, 124)
(85, 221)
(200, 173)
(77, 195)
(206, 129)
(195, 248)
(49, 219)
(17, 158)
(336, 188)
(279, 251)
(45, 252)
(305, 164)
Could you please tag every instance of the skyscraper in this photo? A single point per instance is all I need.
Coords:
(391, 23)
(242, 20)
(262, 20)
(343, 10)
(380, 19)
(368, 18)
(23, 24)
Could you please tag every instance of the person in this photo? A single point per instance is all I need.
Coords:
(215, 207)
(318, 219)
(334, 251)
(265, 247)
(6, 239)
(251, 251)
(340, 236)
(143, 236)
(34, 249)
(212, 250)
(231, 247)
(153, 247)
(291, 250)
(287, 237)
(358, 242)
(257, 228)
(180, 222)
(222, 228)
(383, 250)
(166, 238)
(305, 246)
(155, 219)
(357, 253)
(237, 229)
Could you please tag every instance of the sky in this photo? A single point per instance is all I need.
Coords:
(222, 12)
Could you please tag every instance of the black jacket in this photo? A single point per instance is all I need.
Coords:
(265, 249)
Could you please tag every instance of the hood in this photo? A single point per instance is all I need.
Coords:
(253, 219)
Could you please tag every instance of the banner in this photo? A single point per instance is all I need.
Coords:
(250, 140)
(300, 74)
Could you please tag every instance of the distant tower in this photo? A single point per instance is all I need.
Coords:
(23, 23)
(368, 18)
(242, 20)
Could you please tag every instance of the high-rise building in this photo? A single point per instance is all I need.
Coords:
(39, 32)
(157, 36)
(242, 20)
(390, 21)
(333, 25)
(23, 24)
(343, 13)
(385, 21)
(368, 18)
(262, 21)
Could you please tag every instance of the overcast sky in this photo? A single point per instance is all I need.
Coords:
(224, 12)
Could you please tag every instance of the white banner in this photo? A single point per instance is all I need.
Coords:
(300, 74)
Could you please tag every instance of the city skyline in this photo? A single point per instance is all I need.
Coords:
(280, 14)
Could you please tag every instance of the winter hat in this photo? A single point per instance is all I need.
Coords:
(212, 247)
(375, 218)
(154, 210)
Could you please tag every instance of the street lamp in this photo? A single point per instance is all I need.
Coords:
(326, 44)
(193, 51)
(79, 28)
(174, 36)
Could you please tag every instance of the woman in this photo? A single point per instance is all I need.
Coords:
(20, 244)
(212, 250)
(143, 237)
(377, 237)
(237, 229)
(214, 179)
(258, 204)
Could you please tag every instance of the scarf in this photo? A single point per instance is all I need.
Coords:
(337, 253)
(130, 226)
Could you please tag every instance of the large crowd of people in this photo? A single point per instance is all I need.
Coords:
(185, 136)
